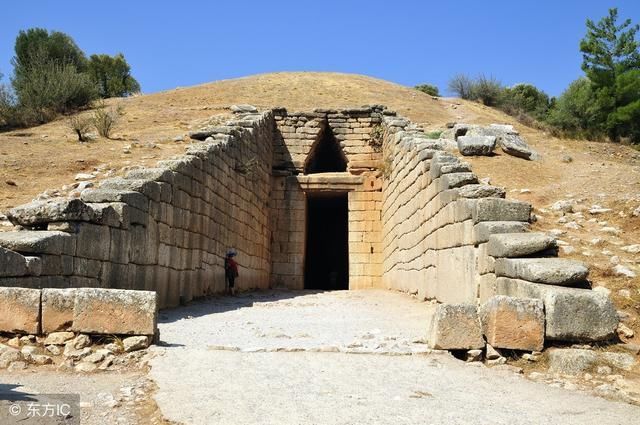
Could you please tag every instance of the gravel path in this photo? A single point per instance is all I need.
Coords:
(288, 358)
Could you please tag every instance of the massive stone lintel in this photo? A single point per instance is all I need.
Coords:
(20, 310)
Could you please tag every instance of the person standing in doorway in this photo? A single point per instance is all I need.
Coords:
(230, 271)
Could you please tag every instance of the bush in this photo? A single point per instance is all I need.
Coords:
(462, 86)
(105, 119)
(576, 111)
(487, 89)
(49, 88)
(525, 99)
(80, 126)
(429, 89)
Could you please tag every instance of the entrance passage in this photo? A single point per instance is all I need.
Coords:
(327, 250)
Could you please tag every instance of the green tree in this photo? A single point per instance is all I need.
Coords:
(429, 89)
(525, 98)
(610, 56)
(576, 110)
(112, 75)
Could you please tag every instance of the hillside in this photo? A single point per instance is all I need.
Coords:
(49, 156)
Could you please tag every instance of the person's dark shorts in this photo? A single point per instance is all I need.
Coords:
(231, 281)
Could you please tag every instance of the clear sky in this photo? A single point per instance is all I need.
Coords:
(186, 42)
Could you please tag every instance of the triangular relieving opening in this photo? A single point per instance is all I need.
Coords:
(326, 156)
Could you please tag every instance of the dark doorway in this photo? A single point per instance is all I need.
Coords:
(326, 156)
(327, 251)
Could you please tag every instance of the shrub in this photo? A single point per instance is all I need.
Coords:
(105, 119)
(81, 126)
(49, 88)
(434, 134)
(462, 86)
(487, 89)
(525, 99)
(576, 112)
(428, 89)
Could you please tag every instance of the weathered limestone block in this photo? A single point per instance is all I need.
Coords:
(513, 323)
(514, 145)
(115, 311)
(475, 191)
(132, 198)
(34, 265)
(12, 263)
(519, 244)
(57, 309)
(495, 209)
(454, 180)
(571, 314)
(94, 241)
(20, 310)
(456, 327)
(154, 174)
(571, 361)
(148, 188)
(476, 145)
(39, 242)
(482, 231)
(551, 271)
(53, 210)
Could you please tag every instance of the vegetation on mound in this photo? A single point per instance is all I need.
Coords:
(605, 103)
(53, 76)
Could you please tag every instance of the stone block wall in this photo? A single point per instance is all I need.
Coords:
(165, 229)
(432, 210)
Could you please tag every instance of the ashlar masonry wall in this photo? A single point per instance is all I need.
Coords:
(432, 214)
(297, 139)
(164, 229)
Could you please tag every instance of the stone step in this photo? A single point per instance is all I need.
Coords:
(483, 230)
(550, 271)
(519, 244)
(571, 314)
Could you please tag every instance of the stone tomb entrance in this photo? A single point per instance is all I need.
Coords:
(327, 246)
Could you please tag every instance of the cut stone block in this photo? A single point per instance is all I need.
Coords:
(513, 323)
(456, 327)
(476, 145)
(474, 191)
(57, 309)
(20, 310)
(12, 263)
(571, 361)
(571, 314)
(513, 144)
(496, 209)
(482, 231)
(552, 271)
(115, 311)
(519, 244)
(38, 242)
(52, 210)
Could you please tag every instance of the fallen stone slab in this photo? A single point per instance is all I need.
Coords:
(513, 323)
(571, 314)
(456, 327)
(243, 109)
(12, 264)
(115, 311)
(52, 210)
(514, 145)
(519, 244)
(571, 361)
(39, 242)
(20, 310)
(551, 271)
(476, 145)
(482, 231)
(57, 309)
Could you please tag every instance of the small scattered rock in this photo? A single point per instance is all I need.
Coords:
(597, 209)
(41, 359)
(496, 362)
(14, 342)
(15, 366)
(81, 341)
(492, 353)
(624, 331)
(84, 176)
(632, 249)
(566, 159)
(625, 271)
(94, 358)
(565, 206)
(86, 367)
(134, 343)
(59, 338)
(474, 356)
(54, 349)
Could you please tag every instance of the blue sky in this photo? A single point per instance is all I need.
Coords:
(182, 43)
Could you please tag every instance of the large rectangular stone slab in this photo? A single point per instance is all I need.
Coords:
(496, 209)
(52, 210)
(519, 244)
(552, 271)
(39, 242)
(456, 327)
(513, 323)
(482, 231)
(20, 310)
(115, 311)
(57, 309)
(571, 314)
